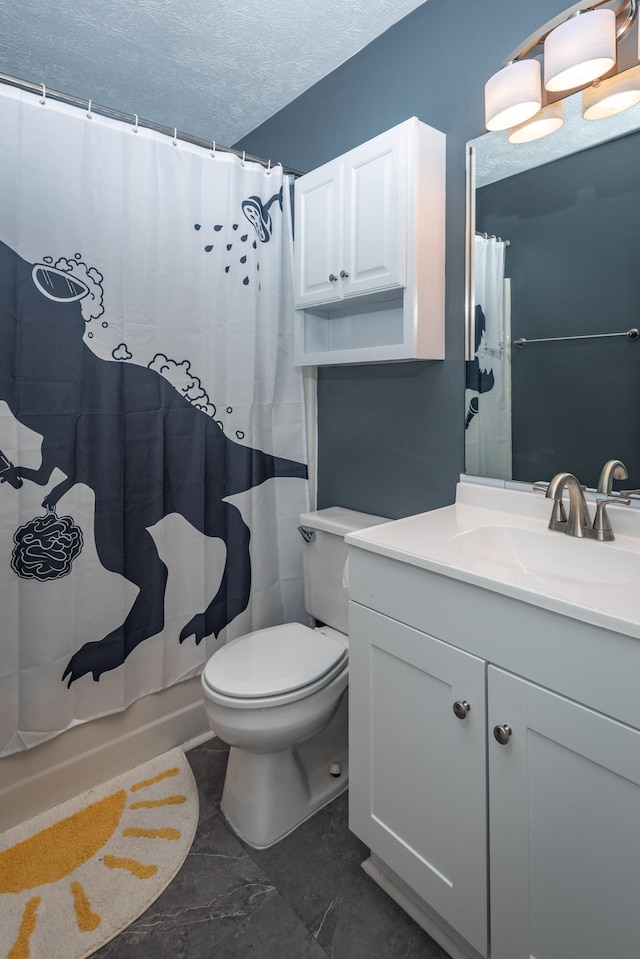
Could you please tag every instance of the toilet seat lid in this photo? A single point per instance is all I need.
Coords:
(272, 661)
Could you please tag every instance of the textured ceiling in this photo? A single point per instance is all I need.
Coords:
(213, 68)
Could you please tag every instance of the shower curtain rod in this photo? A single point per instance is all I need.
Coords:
(632, 334)
(134, 120)
(492, 236)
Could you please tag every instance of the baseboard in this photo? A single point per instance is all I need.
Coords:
(435, 929)
(90, 753)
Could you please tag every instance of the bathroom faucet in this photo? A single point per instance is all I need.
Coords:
(612, 469)
(578, 521)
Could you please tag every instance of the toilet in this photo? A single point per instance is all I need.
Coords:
(278, 696)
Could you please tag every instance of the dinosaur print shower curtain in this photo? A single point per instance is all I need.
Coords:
(152, 448)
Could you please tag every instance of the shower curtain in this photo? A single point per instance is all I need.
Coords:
(488, 375)
(152, 439)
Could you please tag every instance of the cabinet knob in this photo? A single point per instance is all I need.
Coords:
(502, 733)
(461, 707)
(344, 274)
(332, 277)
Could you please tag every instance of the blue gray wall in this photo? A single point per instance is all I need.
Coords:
(391, 438)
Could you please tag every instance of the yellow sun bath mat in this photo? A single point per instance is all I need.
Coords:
(74, 877)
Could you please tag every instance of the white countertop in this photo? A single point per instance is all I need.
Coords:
(498, 539)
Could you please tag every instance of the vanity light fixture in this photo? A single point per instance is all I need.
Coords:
(512, 95)
(580, 50)
(573, 50)
(606, 98)
(547, 120)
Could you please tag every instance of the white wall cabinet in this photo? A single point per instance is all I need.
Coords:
(369, 251)
(563, 824)
(350, 223)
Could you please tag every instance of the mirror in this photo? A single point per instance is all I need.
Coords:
(568, 206)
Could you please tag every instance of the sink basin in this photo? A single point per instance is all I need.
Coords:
(549, 554)
(498, 539)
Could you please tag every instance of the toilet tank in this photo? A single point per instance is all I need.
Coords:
(324, 556)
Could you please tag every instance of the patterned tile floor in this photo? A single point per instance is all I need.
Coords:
(304, 898)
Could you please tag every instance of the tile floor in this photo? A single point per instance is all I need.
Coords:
(304, 898)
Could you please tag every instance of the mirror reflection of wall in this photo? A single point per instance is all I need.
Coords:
(573, 262)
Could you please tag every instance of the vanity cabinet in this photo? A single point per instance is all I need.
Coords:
(565, 826)
(418, 780)
(539, 855)
(369, 251)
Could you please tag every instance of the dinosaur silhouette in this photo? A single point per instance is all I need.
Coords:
(477, 376)
(129, 435)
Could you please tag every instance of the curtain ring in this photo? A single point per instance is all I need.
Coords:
(135, 126)
(243, 157)
(175, 136)
(44, 95)
(269, 168)
(89, 114)
(213, 149)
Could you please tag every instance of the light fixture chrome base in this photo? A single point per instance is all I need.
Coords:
(626, 12)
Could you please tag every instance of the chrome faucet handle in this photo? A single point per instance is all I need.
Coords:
(612, 469)
(558, 515)
(602, 530)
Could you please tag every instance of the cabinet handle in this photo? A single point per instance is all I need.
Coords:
(344, 274)
(502, 733)
(461, 707)
(332, 277)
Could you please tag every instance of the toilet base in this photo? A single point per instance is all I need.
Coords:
(268, 795)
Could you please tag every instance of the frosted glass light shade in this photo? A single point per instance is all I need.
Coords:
(546, 121)
(512, 95)
(580, 50)
(611, 96)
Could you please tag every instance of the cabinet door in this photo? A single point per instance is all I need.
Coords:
(428, 770)
(564, 827)
(375, 215)
(318, 235)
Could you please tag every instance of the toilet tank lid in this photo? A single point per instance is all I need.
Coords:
(338, 519)
(272, 661)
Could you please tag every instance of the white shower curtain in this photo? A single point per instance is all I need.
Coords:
(488, 381)
(152, 440)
